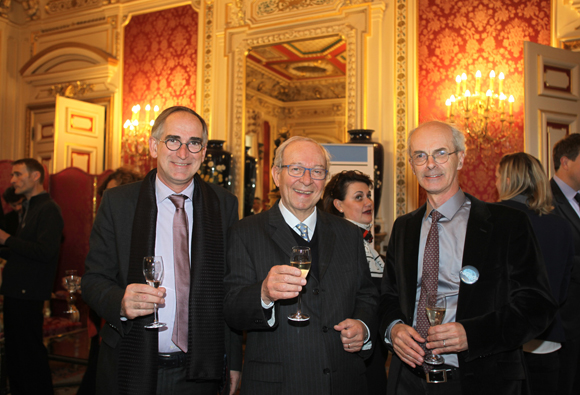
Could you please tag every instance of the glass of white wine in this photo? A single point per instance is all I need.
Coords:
(153, 272)
(435, 307)
(301, 258)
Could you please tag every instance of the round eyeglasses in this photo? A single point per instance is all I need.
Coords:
(439, 157)
(193, 146)
(316, 173)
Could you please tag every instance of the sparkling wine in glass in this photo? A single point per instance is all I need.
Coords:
(153, 272)
(301, 258)
(72, 283)
(435, 308)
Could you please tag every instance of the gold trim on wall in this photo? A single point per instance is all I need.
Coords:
(401, 106)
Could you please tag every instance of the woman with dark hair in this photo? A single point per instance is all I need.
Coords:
(348, 195)
(523, 185)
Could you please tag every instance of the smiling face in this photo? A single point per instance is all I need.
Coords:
(300, 194)
(357, 204)
(441, 181)
(176, 168)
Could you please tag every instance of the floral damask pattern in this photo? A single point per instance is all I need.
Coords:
(160, 61)
(457, 36)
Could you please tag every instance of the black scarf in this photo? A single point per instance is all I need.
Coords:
(137, 370)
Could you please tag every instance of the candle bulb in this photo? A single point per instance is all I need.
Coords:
(448, 104)
(488, 100)
(501, 78)
(502, 98)
(458, 80)
(467, 96)
(147, 113)
(464, 79)
(491, 77)
(477, 82)
(135, 111)
(511, 100)
(156, 110)
(452, 104)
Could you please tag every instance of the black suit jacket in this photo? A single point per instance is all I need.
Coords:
(569, 310)
(293, 359)
(508, 305)
(105, 278)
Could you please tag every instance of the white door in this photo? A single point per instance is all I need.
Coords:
(79, 136)
(552, 99)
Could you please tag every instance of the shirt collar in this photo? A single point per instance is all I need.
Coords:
(566, 189)
(450, 207)
(162, 191)
(361, 225)
(292, 221)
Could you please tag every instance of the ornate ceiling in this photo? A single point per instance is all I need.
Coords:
(305, 60)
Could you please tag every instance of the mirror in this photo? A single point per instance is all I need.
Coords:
(292, 88)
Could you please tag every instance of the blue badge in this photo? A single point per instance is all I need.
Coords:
(469, 274)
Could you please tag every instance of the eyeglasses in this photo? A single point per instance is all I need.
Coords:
(193, 146)
(316, 173)
(440, 157)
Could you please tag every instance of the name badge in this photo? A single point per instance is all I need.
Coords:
(469, 274)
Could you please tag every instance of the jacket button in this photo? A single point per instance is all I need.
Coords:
(326, 371)
(325, 329)
(315, 291)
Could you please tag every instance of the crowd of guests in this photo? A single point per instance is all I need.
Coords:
(508, 272)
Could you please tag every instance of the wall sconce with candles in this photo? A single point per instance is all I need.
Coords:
(137, 132)
(486, 118)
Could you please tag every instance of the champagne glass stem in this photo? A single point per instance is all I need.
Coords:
(299, 304)
(155, 314)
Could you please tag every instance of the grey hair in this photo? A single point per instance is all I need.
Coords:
(157, 130)
(458, 137)
(279, 159)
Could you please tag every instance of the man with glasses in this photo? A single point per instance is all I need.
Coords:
(323, 355)
(172, 213)
(484, 258)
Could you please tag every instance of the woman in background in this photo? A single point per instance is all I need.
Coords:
(523, 185)
(348, 195)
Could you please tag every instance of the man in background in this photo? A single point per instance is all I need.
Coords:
(565, 188)
(28, 279)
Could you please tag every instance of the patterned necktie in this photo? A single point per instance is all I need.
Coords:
(577, 197)
(303, 228)
(367, 235)
(429, 279)
(181, 272)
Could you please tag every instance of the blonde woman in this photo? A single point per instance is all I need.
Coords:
(523, 185)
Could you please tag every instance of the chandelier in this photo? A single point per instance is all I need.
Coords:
(485, 116)
(137, 131)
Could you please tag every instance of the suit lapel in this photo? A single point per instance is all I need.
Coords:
(280, 231)
(564, 206)
(477, 239)
(410, 265)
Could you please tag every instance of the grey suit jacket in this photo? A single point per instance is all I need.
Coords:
(510, 303)
(107, 263)
(569, 310)
(288, 358)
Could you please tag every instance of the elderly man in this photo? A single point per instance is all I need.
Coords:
(28, 279)
(484, 258)
(174, 214)
(322, 355)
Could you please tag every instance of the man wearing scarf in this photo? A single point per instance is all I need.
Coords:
(138, 220)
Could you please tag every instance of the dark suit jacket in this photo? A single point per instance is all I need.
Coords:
(569, 311)
(31, 267)
(508, 305)
(555, 239)
(105, 279)
(290, 359)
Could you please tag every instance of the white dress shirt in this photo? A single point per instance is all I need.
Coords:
(164, 248)
(569, 192)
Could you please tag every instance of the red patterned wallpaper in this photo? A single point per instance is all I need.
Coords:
(457, 36)
(160, 67)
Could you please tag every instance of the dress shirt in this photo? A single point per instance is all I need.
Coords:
(569, 192)
(164, 248)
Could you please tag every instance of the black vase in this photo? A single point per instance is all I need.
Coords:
(217, 166)
(363, 136)
(249, 183)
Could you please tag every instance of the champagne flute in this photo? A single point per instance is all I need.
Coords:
(72, 282)
(153, 272)
(301, 258)
(435, 308)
